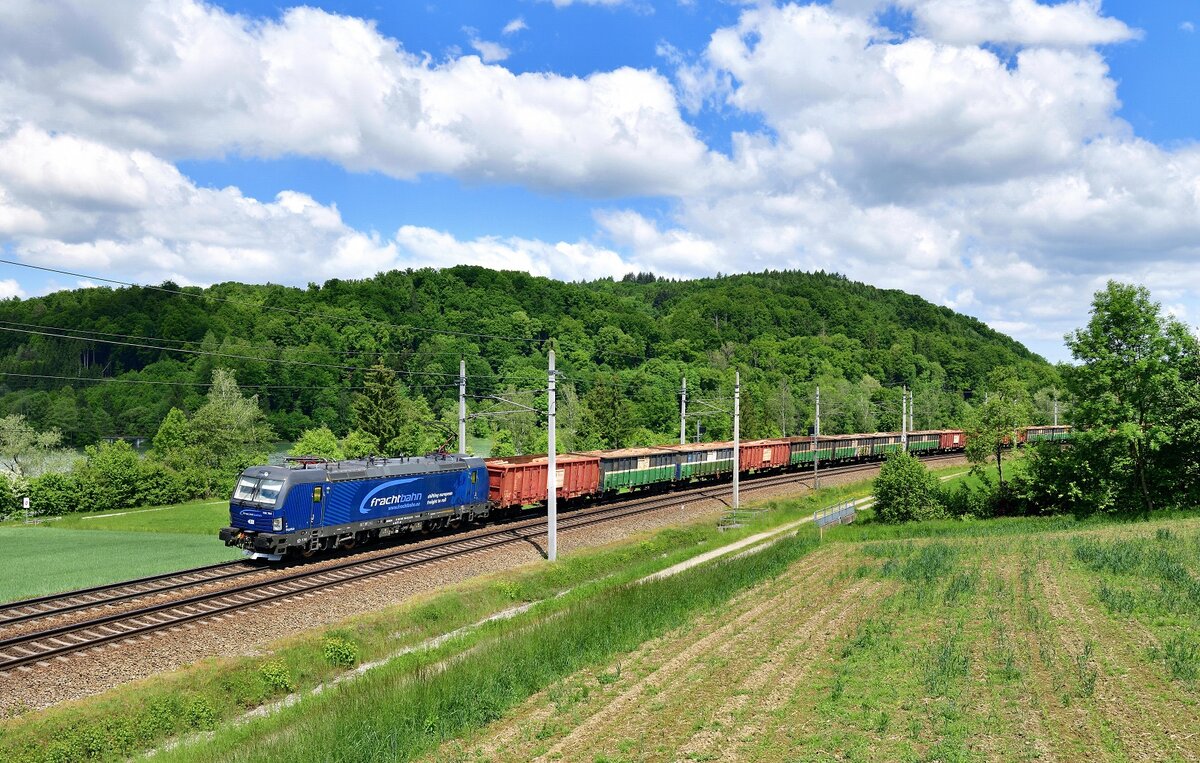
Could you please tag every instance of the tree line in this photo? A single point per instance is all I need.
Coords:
(622, 347)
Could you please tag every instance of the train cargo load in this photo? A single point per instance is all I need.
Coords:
(521, 480)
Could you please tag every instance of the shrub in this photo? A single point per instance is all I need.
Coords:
(54, 494)
(276, 676)
(159, 484)
(200, 715)
(109, 475)
(341, 651)
(906, 491)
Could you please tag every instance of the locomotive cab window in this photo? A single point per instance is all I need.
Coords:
(246, 489)
(474, 476)
(268, 491)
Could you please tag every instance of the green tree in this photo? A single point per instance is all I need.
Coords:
(1134, 392)
(607, 416)
(228, 433)
(173, 442)
(906, 491)
(502, 444)
(24, 450)
(320, 442)
(378, 409)
(359, 444)
(993, 425)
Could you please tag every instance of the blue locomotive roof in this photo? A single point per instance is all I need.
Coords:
(364, 468)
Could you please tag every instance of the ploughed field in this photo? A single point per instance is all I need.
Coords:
(997, 641)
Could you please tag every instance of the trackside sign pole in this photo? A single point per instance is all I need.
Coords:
(551, 471)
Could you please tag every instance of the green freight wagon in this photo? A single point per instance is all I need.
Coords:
(704, 460)
(636, 468)
(919, 442)
(1047, 434)
(879, 443)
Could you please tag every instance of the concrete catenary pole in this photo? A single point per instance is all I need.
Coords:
(551, 471)
(683, 413)
(462, 405)
(904, 419)
(1055, 407)
(737, 433)
(912, 411)
(817, 441)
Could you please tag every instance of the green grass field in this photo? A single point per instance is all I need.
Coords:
(42, 560)
(193, 517)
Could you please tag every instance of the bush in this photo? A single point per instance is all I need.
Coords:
(277, 677)
(55, 494)
(965, 501)
(906, 491)
(318, 442)
(341, 651)
(108, 477)
(10, 504)
(159, 484)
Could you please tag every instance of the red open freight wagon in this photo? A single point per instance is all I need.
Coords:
(765, 454)
(521, 480)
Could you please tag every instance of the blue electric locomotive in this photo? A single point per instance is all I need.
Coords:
(311, 505)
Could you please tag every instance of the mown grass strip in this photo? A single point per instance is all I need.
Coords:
(393, 714)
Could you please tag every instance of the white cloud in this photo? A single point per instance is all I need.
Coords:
(490, 52)
(516, 25)
(9, 288)
(1005, 186)
(1187, 26)
(995, 178)
(1019, 22)
(167, 227)
(187, 80)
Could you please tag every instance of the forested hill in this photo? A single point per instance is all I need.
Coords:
(622, 349)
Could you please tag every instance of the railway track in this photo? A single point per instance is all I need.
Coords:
(40, 646)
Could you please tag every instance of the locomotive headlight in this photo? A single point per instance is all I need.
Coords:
(277, 525)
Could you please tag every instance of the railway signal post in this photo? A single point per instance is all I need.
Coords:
(551, 471)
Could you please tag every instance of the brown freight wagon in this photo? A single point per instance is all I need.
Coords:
(953, 439)
(521, 480)
(765, 454)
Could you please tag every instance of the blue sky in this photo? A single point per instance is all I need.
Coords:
(1002, 157)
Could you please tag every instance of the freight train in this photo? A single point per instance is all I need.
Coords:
(311, 504)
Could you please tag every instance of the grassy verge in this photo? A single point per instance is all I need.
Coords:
(40, 560)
